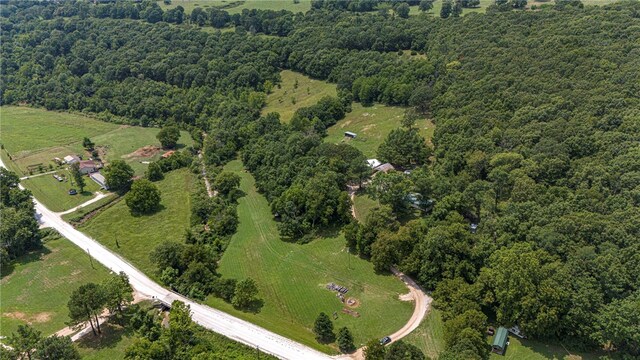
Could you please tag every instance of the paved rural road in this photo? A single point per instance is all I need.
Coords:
(210, 318)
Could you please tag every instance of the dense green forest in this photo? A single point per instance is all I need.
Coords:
(537, 139)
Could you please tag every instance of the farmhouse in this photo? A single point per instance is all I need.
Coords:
(500, 341)
(99, 179)
(350, 135)
(71, 159)
(88, 166)
(384, 167)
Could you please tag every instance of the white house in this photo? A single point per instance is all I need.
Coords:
(71, 159)
(373, 163)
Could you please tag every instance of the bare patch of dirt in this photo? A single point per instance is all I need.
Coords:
(35, 318)
(368, 127)
(144, 152)
(346, 123)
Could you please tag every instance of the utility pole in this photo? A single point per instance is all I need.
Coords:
(90, 259)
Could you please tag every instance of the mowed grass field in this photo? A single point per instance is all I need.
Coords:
(111, 345)
(236, 6)
(137, 236)
(37, 288)
(363, 204)
(292, 278)
(372, 124)
(288, 98)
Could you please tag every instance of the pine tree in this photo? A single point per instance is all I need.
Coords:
(345, 340)
(323, 328)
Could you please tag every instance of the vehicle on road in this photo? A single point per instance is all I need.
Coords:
(385, 340)
(73, 192)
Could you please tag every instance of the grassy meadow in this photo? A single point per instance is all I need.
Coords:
(137, 236)
(236, 6)
(111, 344)
(36, 289)
(286, 98)
(372, 124)
(363, 204)
(292, 278)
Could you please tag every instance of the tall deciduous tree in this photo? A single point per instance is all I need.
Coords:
(405, 148)
(86, 304)
(119, 176)
(25, 340)
(78, 177)
(245, 293)
(374, 350)
(118, 292)
(169, 136)
(57, 347)
(144, 197)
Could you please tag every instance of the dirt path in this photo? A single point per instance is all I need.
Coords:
(210, 191)
(36, 175)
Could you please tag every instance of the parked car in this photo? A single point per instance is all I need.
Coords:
(73, 192)
(385, 340)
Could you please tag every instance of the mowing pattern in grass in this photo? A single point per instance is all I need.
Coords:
(372, 124)
(25, 128)
(292, 277)
(137, 236)
(236, 6)
(308, 92)
(429, 336)
(54, 194)
(37, 289)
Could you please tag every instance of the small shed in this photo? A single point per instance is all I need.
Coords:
(99, 179)
(71, 159)
(350, 135)
(500, 341)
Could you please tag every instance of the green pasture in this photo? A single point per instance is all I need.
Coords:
(429, 336)
(236, 6)
(372, 124)
(286, 97)
(137, 236)
(110, 345)
(292, 278)
(81, 212)
(36, 288)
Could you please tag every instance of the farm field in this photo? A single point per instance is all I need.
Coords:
(137, 236)
(236, 6)
(372, 124)
(307, 92)
(35, 136)
(54, 194)
(292, 278)
(37, 288)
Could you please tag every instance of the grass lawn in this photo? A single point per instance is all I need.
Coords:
(292, 278)
(429, 335)
(54, 194)
(37, 289)
(236, 6)
(111, 344)
(372, 124)
(80, 213)
(363, 205)
(139, 235)
(307, 93)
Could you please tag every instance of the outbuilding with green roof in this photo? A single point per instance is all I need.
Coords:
(500, 341)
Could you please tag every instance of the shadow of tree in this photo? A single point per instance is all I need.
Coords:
(32, 256)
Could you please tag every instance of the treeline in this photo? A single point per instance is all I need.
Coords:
(19, 232)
